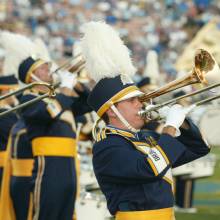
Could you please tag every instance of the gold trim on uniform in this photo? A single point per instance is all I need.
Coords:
(22, 167)
(2, 158)
(20, 132)
(37, 189)
(158, 214)
(163, 154)
(54, 146)
(152, 166)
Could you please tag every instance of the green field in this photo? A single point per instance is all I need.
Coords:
(207, 196)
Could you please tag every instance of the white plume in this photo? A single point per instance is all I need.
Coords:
(17, 48)
(77, 48)
(152, 68)
(41, 49)
(105, 54)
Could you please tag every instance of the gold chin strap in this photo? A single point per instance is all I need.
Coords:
(122, 119)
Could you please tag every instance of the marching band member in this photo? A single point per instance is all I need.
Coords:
(22, 166)
(51, 129)
(133, 167)
(7, 83)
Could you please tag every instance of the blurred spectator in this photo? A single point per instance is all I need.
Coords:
(165, 26)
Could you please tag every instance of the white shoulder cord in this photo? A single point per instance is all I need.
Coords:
(122, 119)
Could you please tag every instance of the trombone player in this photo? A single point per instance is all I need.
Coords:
(133, 167)
(51, 129)
(7, 83)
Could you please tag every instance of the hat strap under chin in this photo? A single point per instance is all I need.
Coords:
(34, 77)
(122, 119)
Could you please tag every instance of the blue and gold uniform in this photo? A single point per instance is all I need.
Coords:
(51, 130)
(22, 166)
(6, 124)
(132, 166)
(145, 183)
(6, 84)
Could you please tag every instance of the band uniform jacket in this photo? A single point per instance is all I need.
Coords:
(22, 166)
(134, 169)
(6, 124)
(51, 129)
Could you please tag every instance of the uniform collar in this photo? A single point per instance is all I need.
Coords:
(122, 132)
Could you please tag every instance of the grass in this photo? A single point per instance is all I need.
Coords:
(207, 202)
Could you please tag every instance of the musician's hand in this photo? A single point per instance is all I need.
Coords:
(68, 80)
(176, 116)
(163, 112)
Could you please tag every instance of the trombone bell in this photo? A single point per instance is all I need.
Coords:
(205, 71)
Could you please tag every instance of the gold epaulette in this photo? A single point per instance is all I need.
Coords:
(101, 135)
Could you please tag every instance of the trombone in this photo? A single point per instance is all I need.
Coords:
(74, 64)
(50, 94)
(205, 71)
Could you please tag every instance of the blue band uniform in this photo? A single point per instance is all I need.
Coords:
(51, 129)
(22, 166)
(143, 188)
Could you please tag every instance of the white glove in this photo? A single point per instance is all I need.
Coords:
(176, 116)
(68, 80)
(163, 112)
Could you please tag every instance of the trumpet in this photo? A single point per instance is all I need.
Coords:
(205, 71)
(50, 94)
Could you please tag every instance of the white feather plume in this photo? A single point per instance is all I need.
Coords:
(152, 68)
(17, 48)
(41, 49)
(76, 50)
(105, 53)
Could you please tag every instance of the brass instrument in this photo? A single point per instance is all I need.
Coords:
(51, 93)
(204, 65)
(76, 65)
(72, 65)
(145, 113)
(205, 71)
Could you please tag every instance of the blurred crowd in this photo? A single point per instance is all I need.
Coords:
(165, 26)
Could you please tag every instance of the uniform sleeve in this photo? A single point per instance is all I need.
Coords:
(80, 106)
(124, 164)
(196, 146)
(47, 109)
(6, 123)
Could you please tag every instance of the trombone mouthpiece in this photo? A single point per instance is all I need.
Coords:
(141, 112)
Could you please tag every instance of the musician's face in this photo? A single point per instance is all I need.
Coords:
(129, 109)
(43, 73)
